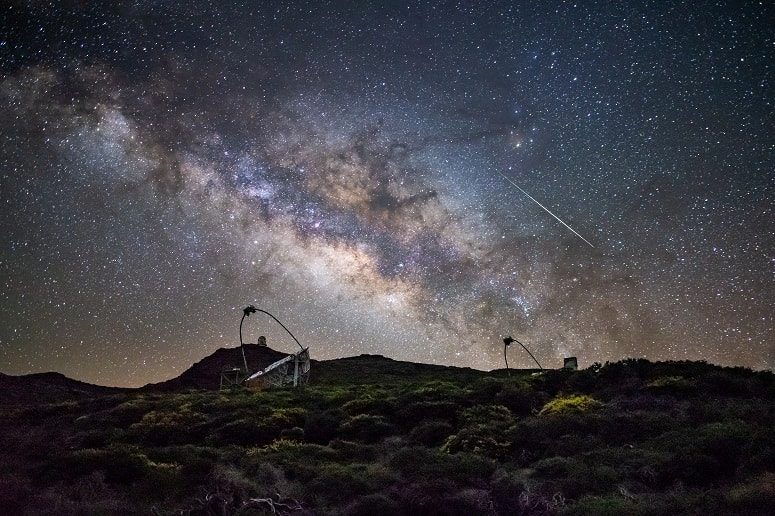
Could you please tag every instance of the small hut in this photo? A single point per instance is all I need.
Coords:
(571, 363)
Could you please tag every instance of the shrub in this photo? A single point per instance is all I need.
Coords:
(126, 413)
(14, 492)
(373, 505)
(576, 477)
(496, 416)
(120, 465)
(378, 407)
(431, 433)
(342, 483)
(577, 403)
(287, 417)
(294, 434)
(754, 495)
(604, 506)
(486, 389)
(367, 428)
(521, 399)
(354, 451)
(411, 413)
(554, 467)
(585, 380)
(466, 502)
(321, 427)
(439, 391)
(424, 497)
(723, 383)
(195, 461)
(634, 463)
(229, 481)
(704, 455)
(506, 488)
(163, 428)
(552, 380)
(674, 385)
(485, 431)
(422, 464)
(572, 444)
(245, 432)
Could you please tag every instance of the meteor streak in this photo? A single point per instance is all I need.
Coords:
(545, 209)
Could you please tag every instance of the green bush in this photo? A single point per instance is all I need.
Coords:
(420, 464)
(120, 465)
(245, 432)
(376, 407)
(507, 486)
(344, 483)
(521, 399)
(373, 505)
(706, 454)
(439, 391)
(466, 502)
(604, 506)
(195, 462)
(164, 428)
(409, 414)
(431, 433)
(231, 482)
(576, 403)
(287, 417)
(367, 428)
(486, 431)
(753, 496)
(126, 413)
(674, 385)
(294, 434)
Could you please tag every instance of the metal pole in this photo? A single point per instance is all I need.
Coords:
(240, 342)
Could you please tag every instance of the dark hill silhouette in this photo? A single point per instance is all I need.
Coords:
(206, 374)
(47, 388)
(377, 368)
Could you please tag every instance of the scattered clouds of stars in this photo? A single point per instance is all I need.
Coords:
(164, 165)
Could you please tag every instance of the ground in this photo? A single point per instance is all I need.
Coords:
(373, 436)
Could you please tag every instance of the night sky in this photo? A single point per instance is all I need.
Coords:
(342, 166)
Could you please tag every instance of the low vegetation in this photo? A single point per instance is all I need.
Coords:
(630, 437)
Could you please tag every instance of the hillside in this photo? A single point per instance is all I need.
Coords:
(47, 388)
(376, 436)
(378, 369)
(205, 374)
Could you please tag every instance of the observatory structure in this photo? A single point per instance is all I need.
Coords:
(291, 370)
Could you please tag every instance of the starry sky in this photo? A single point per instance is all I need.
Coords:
(341, 165)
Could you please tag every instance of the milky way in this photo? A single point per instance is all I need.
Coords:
(341, 166)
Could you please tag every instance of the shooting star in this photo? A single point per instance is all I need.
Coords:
(545, 209)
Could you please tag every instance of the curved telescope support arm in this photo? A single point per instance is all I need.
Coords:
(250, 309)
(509, 340)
